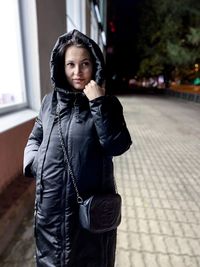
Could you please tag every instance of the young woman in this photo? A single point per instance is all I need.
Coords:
(93, 130)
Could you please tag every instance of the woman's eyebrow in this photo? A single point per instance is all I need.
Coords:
(72, 61)
(86, 59)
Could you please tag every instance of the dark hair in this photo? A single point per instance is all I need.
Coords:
(60, 64)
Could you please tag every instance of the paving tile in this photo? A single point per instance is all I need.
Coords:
(141, 213)
(133, 225)
(123, 258)
(135, 241)
(124, 224)
(143, 226)
(188, 230)
(154, 227)
(172, 245)
(184, 246)
(164, 260)
(147, 243)
(177, 229)
(156, 203)
(177, 261)
(195, 246)
(161, 215)
(137, 259)
(191, 261)
(171, 215)
(159, 244)
(166, 228)
(122, 240)
(151, 260)
(150, 213)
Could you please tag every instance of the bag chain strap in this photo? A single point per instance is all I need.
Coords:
(66, 158)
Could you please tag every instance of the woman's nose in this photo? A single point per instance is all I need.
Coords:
(77, 69)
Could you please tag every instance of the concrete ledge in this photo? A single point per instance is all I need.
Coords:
(15, 119)
(16, 201)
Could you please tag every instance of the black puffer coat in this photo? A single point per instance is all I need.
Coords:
(93, 131)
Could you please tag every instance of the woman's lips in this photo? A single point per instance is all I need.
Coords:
(78, 80)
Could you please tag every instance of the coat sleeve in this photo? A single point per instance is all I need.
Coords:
(110, 125)
(32, 146)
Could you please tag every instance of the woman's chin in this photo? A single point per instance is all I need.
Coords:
(78, 88)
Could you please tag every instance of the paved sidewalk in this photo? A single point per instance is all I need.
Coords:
(159, 180)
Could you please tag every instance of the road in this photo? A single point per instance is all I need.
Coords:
(159, 180)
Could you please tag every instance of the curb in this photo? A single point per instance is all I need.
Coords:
(183, 95)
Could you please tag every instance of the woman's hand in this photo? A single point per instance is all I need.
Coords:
(93, 90)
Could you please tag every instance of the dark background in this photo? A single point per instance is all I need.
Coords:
(123, 23)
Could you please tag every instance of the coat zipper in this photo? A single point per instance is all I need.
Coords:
(66, 177)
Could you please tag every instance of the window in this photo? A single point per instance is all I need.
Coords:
(76, 15)
(12, 85)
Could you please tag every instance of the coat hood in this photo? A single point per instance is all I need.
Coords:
(57, 60)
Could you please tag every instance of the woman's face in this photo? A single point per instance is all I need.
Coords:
(78, 67)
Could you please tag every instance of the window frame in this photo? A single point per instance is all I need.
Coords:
(16, 107)
(30, 59)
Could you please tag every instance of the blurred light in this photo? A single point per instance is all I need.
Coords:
(160, 79)
(110, 50)
(112, 26)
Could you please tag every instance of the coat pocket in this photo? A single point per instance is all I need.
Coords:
(34, 166)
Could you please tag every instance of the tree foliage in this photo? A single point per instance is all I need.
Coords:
(169, 36)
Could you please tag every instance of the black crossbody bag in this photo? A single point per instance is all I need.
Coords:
(98, 213)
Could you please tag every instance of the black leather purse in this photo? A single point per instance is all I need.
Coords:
(98, 213)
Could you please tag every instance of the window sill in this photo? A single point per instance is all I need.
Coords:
(10, 121)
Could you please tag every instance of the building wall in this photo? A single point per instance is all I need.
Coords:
(51, 18)
(12, 143)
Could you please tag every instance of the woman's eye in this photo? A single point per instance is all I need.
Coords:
(85, 64)
(70, 64)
